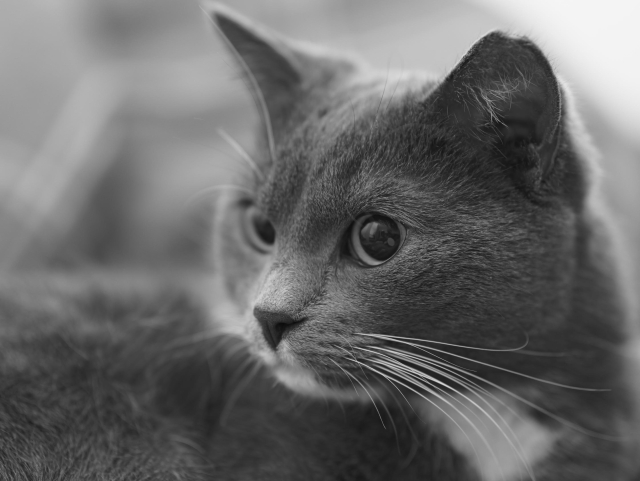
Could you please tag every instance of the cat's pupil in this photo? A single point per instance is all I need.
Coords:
(380, 237)
(264, 229)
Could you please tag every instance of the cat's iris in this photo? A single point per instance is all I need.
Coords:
(258, 230)
(375, 238)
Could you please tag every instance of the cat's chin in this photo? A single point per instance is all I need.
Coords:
(302, 380)
(307, 383)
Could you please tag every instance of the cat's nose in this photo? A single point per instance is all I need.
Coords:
(273, 324)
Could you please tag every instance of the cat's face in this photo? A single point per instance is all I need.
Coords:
(398, 206)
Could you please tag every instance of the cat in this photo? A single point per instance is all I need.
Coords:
(422, 263)
(434, 242)
(105, 377)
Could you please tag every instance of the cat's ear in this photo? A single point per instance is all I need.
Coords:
(265, 58)
(504, 91)
(280, 71)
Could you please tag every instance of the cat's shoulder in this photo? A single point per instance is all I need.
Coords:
(89, 375)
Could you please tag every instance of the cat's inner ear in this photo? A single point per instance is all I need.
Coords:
(504, 92)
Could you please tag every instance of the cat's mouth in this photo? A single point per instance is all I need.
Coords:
(307, 364)
(321, 374)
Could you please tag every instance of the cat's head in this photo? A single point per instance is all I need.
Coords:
(393, 204)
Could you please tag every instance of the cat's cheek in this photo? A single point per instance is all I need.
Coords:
(231, 302)
(237, 265)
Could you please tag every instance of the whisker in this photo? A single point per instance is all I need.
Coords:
(418, 358)
(414, 437)
(542, 354)
(442, 361)
(456, 371)
(243, 153)
(353, 357)
(365, 390)
(420, 374)
(533, 378)
(518, 450)
(354, 386)
(404, 415)
(540, 409)
(231, 160)
(388, 337)
(354, 354)
(452, 376)
(433, 382)
(458, 378)
(399, 391)
(393, 424)
(396, 87)
(235, 394)
(446, 366)
(478, 390)
(387, 367)
(430, 391)
(203, 336)
(203, 193)
(384, 90)
(255, 88)
(324, 395)
(428, 386)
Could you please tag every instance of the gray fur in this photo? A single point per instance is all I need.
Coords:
(488, 170)
(104, 380)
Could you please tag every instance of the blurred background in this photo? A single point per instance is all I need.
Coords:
(110, 109)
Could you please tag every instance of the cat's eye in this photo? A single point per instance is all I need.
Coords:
(258, 230)
(374, 239)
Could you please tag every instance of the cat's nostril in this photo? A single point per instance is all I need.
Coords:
(273, 324)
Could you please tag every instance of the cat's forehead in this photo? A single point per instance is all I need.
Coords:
(362, 149)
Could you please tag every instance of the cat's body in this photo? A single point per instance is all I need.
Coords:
(500, 311)
(105, 378)
(84, 384)
(486, 338)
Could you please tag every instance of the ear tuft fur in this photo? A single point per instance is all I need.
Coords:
(504, 89)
